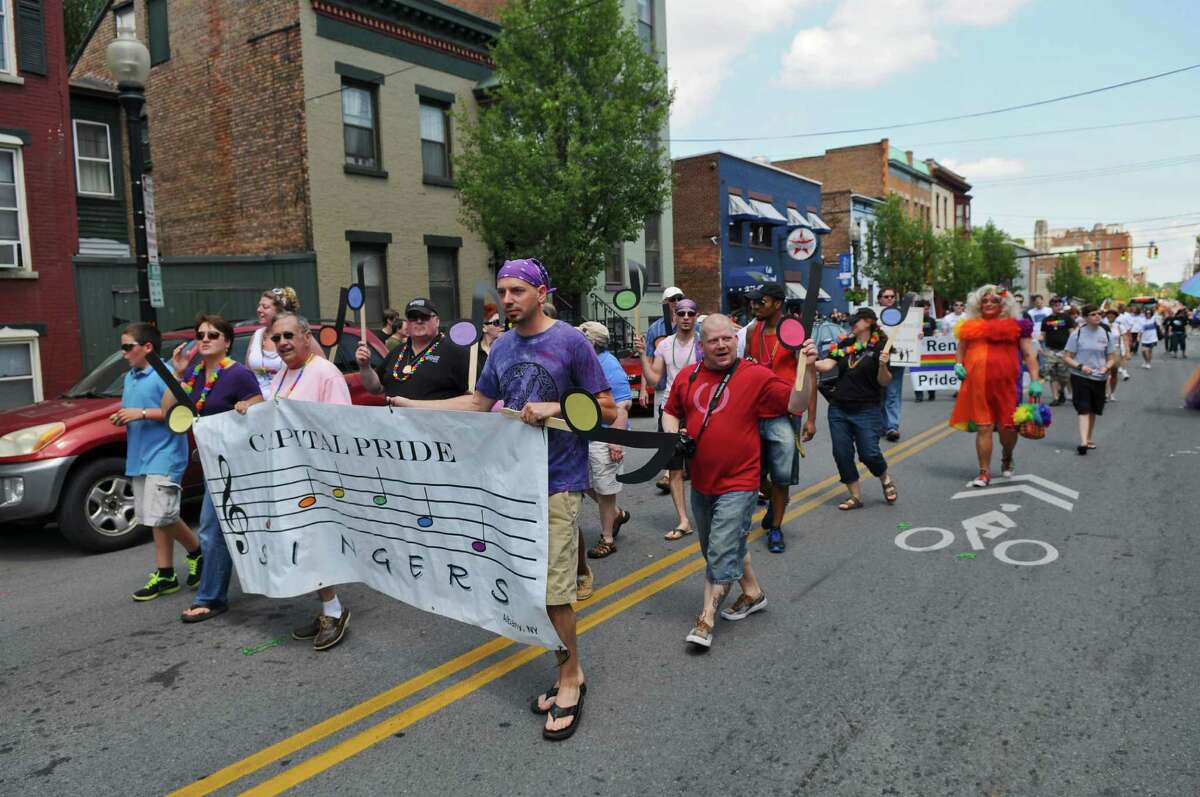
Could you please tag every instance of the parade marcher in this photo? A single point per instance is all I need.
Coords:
(993, 340)
(654, 333)
(261, 357)
(155, 459)
(720, 401)
(1149, 333)
(1130, 323)
(781, 457)
(1114, 375)
(672, 354)
(605, 460)
(854, 395)
(894, 392)
(391, 325)
(1091, 353)
(1056, 328)
(215, 384)
(493, 327)
(427, 366)
(929, 328)
(561, 358)
(307, 376)
(950, 319)
(1177, 329)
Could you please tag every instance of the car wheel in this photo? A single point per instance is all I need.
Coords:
(97, 507)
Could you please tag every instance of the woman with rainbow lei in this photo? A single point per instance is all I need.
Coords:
(993, 341)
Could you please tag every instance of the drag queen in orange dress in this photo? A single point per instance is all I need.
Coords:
(992, 342)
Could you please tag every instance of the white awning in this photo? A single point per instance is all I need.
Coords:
(796, 291)
(767, 212)
(740, 208)
(797, 219)
(817, 225)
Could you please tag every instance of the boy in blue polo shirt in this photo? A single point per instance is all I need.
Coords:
(155, 460)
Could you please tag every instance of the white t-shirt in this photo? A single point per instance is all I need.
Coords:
(1128, 322)
(676, 356)
(1038, 315)
(264, 364)
(1149, 330)
(948, 321)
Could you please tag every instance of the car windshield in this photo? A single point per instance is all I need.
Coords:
(108, 378)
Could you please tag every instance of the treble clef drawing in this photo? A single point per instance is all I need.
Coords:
(234, 515)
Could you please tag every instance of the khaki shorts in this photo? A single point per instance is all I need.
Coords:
(603, 470)
(155, 500)
(562, 548)
(1056, 367)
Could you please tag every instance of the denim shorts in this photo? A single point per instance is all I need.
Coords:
(780, 456)
(722, 524)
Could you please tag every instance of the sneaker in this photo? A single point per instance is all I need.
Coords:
(584, 586)
(331, 630)
(919, 399)
(308, 630)
(157, 585)
(982, 480)
(1124, 374)
(194, 566)
(775, 542)
(743, 607)
(701, 634)
(1146, 366)
(1006, 468)
(893, 435)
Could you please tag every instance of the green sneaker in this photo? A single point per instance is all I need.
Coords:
(194, 567)
(157, 585)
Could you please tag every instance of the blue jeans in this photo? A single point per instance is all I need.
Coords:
(889, 411)
(780, 457)
(218, 566)
(722, 524)
(848, 429)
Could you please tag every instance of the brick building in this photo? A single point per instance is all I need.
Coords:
(732, 219)
(39, 345)
(1105, 249)
(951, 198)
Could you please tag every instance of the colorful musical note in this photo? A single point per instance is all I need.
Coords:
(425, 521)
(381, 499)
(311, 498)
(480, 545)
(339, 492)
(234, 515)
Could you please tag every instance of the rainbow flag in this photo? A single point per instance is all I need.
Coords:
(938, 359)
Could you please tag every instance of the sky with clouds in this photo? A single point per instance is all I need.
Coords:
(784, 69)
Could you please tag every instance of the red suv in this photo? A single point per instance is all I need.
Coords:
(63, 460)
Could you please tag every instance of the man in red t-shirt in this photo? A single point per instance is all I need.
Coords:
(720, 401)
(782, 457)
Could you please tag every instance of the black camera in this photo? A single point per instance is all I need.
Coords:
(685, 446)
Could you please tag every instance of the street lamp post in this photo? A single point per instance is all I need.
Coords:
(129, 61)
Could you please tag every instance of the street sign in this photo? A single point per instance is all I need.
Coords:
(154, 268)
(1041, 495)
(154, 274)
(801, 243)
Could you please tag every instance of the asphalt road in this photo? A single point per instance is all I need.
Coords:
(875, 670)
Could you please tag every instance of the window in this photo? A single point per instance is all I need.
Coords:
(373, 259)
(443, 280)
(125, 20)
(435, 141)
(93, 159)
(614, 268)
(14, 224)
(735, 232)
(760, 235)
(653, 250)
(645, 24)
(156, 26)
(7, 62)
(360, 134)
(20, 372)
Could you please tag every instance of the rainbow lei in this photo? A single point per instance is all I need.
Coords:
(852, 350)
(210, 379)
(410, 369)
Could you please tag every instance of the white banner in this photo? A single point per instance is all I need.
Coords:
(906, 343)
(445, 511)
(936, 369)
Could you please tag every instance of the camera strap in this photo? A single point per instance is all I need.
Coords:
(716, 396)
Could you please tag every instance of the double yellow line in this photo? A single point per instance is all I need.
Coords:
(591, 616)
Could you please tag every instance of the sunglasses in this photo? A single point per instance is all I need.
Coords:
(991, 301)
(211, 335)
(495, 323)
(685, 313)
(418, 317)
(283, 336)
(128, 347)
(887, 296)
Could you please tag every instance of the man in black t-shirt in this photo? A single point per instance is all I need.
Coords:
(428, 367)
(1056, 328)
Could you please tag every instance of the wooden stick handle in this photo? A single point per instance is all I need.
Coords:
(472, 367)
(362, 323)
(801, 367)
(553, 423)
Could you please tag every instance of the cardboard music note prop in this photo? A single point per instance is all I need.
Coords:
(468, 331)
(329, 337)
(356, 299)
(630, 298)
(180, 417)
(582, 414)
(793, 333)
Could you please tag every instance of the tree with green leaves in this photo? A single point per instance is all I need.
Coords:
(78, 16)
(1067, 279)
(997, 259)
(564, 161)
(960, 267)
(901, 252)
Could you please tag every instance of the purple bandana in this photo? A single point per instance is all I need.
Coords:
(528, 270)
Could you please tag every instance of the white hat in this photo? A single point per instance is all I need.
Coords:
(595, 332)
(672, 293)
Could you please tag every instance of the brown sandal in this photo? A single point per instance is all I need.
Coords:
(890, 493)
(601, 549)
(850, 503)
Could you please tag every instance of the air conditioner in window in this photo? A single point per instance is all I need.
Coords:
(10, 254)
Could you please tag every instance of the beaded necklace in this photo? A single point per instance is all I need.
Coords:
(691, 352)
(762, 342)
(853, 352)
(299, 376)
(210, 379)
(402, 374)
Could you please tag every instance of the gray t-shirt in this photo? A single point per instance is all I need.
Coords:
(1091, 347)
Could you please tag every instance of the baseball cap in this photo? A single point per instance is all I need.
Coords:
(771, 289)
(863, 314)
(672, 293)
(595, 332)
(420, 306)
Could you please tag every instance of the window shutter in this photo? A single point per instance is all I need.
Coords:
(160, 40)
(31, 37)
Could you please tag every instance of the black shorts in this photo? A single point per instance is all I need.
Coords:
(1087, 395)
(676, 462)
